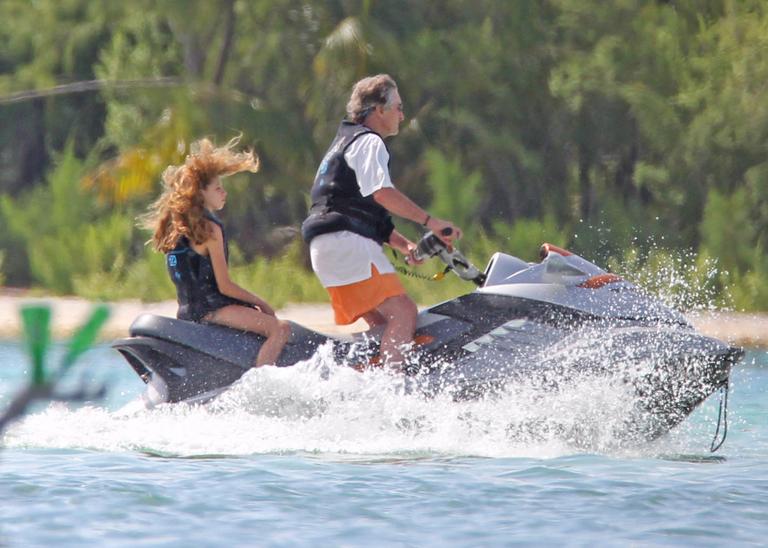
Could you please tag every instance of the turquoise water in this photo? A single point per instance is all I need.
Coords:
(288, 458)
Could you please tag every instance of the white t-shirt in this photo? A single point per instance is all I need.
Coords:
(369, 159)
(342, 258)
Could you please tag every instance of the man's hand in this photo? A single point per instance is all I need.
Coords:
(445, 230)
(405, 246)
(410, 257)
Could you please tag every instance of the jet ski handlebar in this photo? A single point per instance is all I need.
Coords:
(430, 245)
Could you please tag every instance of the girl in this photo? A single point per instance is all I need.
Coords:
(192, 237)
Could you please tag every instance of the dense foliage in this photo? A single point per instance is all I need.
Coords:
(633, 131)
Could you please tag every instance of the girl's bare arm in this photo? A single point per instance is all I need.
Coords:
(215, 248)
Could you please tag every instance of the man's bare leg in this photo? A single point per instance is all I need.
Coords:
(400, 315)
(374, 318)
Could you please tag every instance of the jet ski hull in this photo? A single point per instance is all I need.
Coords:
(551, 323)
(672, 370)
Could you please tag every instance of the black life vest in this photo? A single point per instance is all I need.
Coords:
(336, 200)
(196, 289)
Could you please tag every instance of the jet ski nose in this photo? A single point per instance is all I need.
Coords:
(722, 362)
(733, 355)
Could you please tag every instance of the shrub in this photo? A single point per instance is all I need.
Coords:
(63, 231)
(455, 194)
(144, 278)
(682, 279)
(280, 280)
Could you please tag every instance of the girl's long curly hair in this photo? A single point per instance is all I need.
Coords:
(179, 211)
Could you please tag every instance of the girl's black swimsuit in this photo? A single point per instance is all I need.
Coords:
(192, 274)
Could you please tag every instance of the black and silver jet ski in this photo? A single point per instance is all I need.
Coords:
(554, 320)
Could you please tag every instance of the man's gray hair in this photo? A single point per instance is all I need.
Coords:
(367, 94)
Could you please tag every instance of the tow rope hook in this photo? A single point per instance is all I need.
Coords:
(404, 271)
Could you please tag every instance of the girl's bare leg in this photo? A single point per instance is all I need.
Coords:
(276, 331)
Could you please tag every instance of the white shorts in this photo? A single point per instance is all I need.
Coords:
(342, 258)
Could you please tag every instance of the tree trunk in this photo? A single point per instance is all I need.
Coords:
(586, 192)
(226, 45)
(625, 172)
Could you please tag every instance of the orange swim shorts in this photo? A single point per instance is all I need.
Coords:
(351, 301)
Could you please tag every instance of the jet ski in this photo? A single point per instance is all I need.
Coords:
(555, 320)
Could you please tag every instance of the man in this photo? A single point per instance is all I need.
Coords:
(352, 198)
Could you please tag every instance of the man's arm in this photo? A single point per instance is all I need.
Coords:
(369, 159)
(401, 205)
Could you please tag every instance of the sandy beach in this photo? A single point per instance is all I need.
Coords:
(68, 313)
(743, 329)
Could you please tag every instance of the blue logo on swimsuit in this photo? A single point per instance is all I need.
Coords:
(172, 260)
(323, 169)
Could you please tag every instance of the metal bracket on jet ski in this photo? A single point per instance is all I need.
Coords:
(431, 246)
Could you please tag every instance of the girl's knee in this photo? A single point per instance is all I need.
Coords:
(284, 329)
(280, 330)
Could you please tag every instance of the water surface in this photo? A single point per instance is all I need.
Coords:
(289, 459)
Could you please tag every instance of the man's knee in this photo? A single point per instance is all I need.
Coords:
(399, 308)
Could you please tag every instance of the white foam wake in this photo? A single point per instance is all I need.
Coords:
(319, 406)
